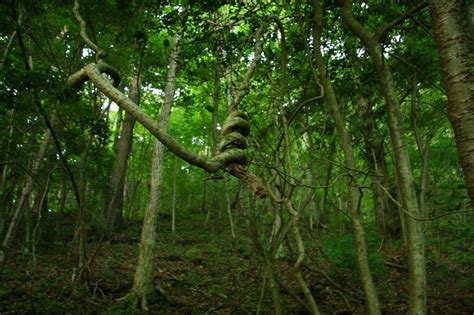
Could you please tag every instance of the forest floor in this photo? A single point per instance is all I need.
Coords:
(200, 271)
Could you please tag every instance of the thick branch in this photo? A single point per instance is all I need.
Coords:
(93, 73)
(226, 158)
(252, 180)
(354, 25)
(367, 37)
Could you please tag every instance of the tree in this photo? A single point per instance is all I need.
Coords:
(373, 303)
(404, 175)
(143, 280)
(453, 29)
(114, 200)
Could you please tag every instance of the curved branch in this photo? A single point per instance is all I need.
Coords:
(77, 79)
(228, 158)
(93, 72)
(221, 161)
(100, 53)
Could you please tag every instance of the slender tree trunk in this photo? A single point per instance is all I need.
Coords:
(60, 215)
(5, 155)
(8, 48)
(143, 279)
(289, 181)
(414, 230)
(454, 34)
(268, 258)
(423, 149)
(40, 208)
(373, 304)
(326, 182)
(6, 146)
(274, 288)
(404, 176)
(215, 114)
(124, 147)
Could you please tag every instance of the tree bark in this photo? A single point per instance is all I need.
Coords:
(454, 37)
(173, 196)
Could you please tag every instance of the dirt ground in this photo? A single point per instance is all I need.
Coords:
(203, 272)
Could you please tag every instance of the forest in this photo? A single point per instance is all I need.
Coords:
(237, 157)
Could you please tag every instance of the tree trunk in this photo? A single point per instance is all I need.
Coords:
(423, 146)
(5, 155)
(117, 178)
(82, 231)
(373, 304)
(40, 208)
(173, 198)
(454, 34)
(387, 217)
(143, 280)
(215, 114)
(229, 213)
(404, 175)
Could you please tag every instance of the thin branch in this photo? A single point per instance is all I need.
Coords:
(382, 32)
(7, 49)
(422, 218)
